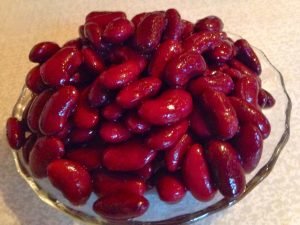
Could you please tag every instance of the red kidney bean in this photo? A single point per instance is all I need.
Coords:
(93, 33)
(166, 137)
(118, 31)
(97, 95)
(220, 82)
(233, 73)
(145, 172)
(138, 18)
(124, 53)
(133, 94)
(57, 110)
(75, 43)
(175, 155)
(36, 109)
(196, 174)
(128, 156)
(136, 125)
(34, 80)
(44, 151)
(226, 168)
(27, 147)
(149, 31)
(170, 188)
(247, 112)
(249, 144)
(174, 28)
(199, 124)
(71, 179)
(88, 157)
(112, 111)
(166, 51)
(15, 133)
(25, 114)
(65, 131)
(128, 205)
(246, 54)
(84, 116)
(223, 52)
(106, 183)
(42, 51)
(104, 18)
(58, 69)
(170, 107)
(78, 135)
(247, 88)
(265, 99)
(223, 116)
(236, 64)
(183, 67)
(201, 42)
(92, 61)
(113, 132)
(187, 29)
(120, 75)
(210, 23)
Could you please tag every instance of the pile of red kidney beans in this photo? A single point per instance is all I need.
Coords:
(155, 101)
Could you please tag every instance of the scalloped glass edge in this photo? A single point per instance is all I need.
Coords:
(182, 219)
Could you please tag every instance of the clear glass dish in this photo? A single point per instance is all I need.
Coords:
(188, 210)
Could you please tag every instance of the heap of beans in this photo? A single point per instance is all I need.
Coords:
(155, 101)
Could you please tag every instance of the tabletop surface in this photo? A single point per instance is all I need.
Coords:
(273, 26)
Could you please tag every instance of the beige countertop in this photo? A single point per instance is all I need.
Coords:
(273, 26)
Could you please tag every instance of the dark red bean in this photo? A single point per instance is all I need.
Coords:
(88, 157)
(27, 147)
(247, 88)
(121, 206)
(233, 73)
(223, 117)
(170, 188)
(65, 131)
(84, 116)
(196, 174)
(112, 111)
(166, 51)
(58, 69)
(104, 18)
(133, 94)
(118, 31)
(166, 137)
(175, 155)
(34, 80)
(199, 124)
(57, 110)
(120, 157)
(93, 33)
(44, 151)
(170, 107)
(149, 31)
(75, 43)
(78, 135)
(226, 168)
(71, 179)
(92, 61)
(184, 67)
(187, 29)
(106, 183)
(120, 75)
(223, 52)
(136, 125)
(249, 144)
(246, 54)
(113, 132)
(265, 99)
(174, 28)
(210, 23)
(42, 51)
(248, 113)
(218, 82)
(236, 64)
(36, 109)
(138, 18)
(201, 42)
(145, 172)
(98, 95)
(15, 133)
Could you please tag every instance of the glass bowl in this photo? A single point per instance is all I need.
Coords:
(188, 210)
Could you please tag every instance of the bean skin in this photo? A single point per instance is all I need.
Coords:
(174, 28)
(104, 18)
(34, 80)
(27, 147)
(97, 95)
(247, 88)
(223, 52)
(78, 136)
(199, 124)
(93, 33)
(91, 61)
(210, 23)
(112, 111)
(113, 132)
(136, 125)
(15, 133)
(187, 29)
(236, 64)
(265, 99)
(118, 31)
(42, 51)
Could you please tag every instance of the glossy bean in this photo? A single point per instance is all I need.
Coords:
(173, 29)
(92, 61)
(187, 29)
(209, 23)
(236, 64)
(15, 133)
(112, 111)
(136, 125)
(93, 34)
(222, 53)
(118, 31)
(199, 124)
(265, 99)
(113, 132)
(103, 18)
(42, 51)
(27, 147)
(97, 95)
(78, 135)
(34, 80)
(247, 88)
